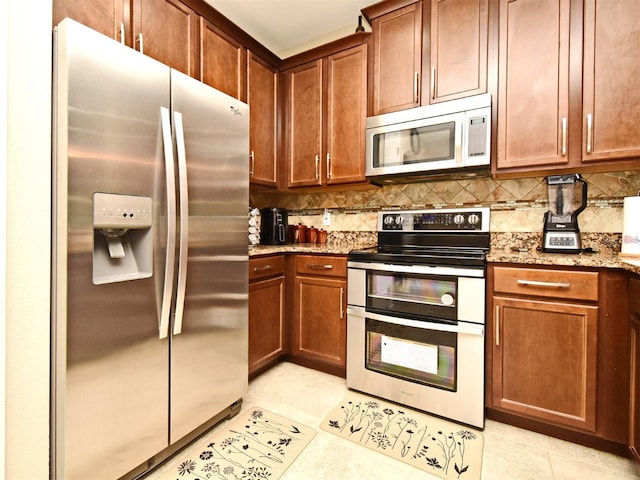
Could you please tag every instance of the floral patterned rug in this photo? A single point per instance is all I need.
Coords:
(437, 446)
(256, 444)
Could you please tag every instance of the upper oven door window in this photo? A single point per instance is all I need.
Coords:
(413, 294)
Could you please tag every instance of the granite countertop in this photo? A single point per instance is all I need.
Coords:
(535, 257)
(504, 249)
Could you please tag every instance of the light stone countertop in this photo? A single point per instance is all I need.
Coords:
(495, 255)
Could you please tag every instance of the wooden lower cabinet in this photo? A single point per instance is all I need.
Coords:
(319, 323)
(558, 352)
(267, 332)
(545, 360)
(634, 410)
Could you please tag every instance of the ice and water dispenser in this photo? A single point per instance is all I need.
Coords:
(122, 238)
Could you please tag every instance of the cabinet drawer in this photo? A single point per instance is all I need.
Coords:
(319, 265)
(263, 267)
(566, 284)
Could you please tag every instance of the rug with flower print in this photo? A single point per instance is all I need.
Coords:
(442, 448)
(255, 444)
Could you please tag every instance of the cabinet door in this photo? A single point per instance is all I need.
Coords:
(262, 87)
(222, 61)
(104, 16)
(397, 59)
(320, 327)
(305, 124)
(611, 97)
(266, 322)
(634, 413)
(533, 93)
(459, 33)
(166, 30)
(544, 361)
(346, 115)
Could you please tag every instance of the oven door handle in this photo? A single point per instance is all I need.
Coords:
(460, 271)
(460, 327)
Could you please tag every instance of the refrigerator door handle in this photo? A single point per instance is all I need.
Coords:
(184, 222)
(165, 311)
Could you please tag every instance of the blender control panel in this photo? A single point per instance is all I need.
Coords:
(476, 220)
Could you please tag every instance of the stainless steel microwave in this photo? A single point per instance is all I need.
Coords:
(452, 136)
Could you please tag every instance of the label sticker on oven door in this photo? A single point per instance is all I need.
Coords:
(416, 356)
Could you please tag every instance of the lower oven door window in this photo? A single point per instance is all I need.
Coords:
(419, 355)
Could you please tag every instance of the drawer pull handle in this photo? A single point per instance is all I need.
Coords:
(535, 283)
(262, 269)
(318, 266)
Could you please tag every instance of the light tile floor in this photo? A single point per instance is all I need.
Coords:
(510, 453)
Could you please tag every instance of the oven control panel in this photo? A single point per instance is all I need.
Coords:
(438, 220)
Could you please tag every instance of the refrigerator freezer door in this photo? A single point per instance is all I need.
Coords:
(209, 345)
(110, 380)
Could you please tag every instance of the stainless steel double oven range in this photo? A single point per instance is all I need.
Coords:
(416, 312)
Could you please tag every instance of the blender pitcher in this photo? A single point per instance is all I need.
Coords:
(567, 196)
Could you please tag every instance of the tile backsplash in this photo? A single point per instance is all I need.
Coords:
(517, 205)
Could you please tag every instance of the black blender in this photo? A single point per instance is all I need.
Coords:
(567, 198)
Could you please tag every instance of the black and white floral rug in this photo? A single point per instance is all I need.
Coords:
(434, 445)
(256, 444)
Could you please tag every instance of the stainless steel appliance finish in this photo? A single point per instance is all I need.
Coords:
(416, 312)
(149, 314)
(452, 137)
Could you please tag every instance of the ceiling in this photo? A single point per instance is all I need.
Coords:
(287, 27)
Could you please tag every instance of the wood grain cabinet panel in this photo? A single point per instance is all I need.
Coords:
(262, 87)
(346, 115)
(267, 328)
(634, 411)
(545, 357)
(397, 59)
(222, 61)
(104, 16)
(305, 124)
(459, 36)
(567, 86)
(611, 97)
(319, 329)
(167, 30)
(533, 95)
(326, 114)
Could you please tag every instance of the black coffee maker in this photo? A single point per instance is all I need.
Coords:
(273, 226)
(567, 198)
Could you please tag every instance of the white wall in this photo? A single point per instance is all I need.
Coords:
(26, 259)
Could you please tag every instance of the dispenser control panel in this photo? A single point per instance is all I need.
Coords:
(112, 210)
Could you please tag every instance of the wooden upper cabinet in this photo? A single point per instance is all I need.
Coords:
(568, 96)
(222, 61)
(166, 30)
(397, 59)
(611, 109)
(533, 94)
(325, 121)
(459, 36)
(346, 115)
(104, 16)
(305, 124)
(262, 87)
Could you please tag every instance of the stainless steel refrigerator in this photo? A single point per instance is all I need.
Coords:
(149, 314)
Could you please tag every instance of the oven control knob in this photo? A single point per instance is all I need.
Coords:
(458, 219)
(388, 220)
(473, 218)
(399, 220)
